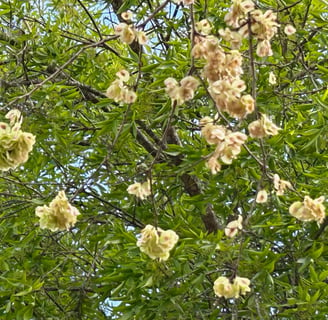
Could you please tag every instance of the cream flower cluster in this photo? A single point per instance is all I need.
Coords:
(238, 13)
(228, 143)
(140, 190)
(263, 26)
(233, 37)
(262, 128)
(223, 71)
(118, 91)
(128, 33)
(15, 145)
(183, 92)
(219, 65)
(224, 288)
(233, 227)
(227, 96)
(203, 27)
(59, 215)
(280, 185)
(157, 243)
(309, 209)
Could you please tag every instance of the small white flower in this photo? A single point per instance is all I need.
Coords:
(262, 196)
(272, 78)
(140, 190)
(289, 30)
(127, 15)
(232, 227)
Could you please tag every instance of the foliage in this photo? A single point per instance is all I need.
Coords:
(57, 59)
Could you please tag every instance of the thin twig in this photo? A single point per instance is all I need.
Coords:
(60, 69)
(106, 158)
(290, 6)
(159, 151)
(143, 24)
(192, 38)
(91, 18)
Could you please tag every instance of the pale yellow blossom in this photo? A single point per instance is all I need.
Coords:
(280, 185)
(230, 147)
(264, 25)
(262, 127)
(59, 215)
(309, 209)
(235, 38)
(14, 117)
(213, 134)
(125, 32)
(223, 287)
(262, 196)
(157, 243)
(140, 190)
(213, 164)
(241, 286)
(184, 91)
(127, 15)
(123, 75)
(118, 91)
(203, 27)
(141, 37)
(238, 11)
(272, 78)
(233, 227)
(263, 48)
(15, 145)
(289, 30)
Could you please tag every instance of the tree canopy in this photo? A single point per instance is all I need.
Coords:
(163, 159)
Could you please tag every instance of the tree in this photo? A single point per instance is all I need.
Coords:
(153, 116)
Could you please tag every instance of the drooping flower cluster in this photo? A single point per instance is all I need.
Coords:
(223, 71)
(118, 91)
(128, 33)
(262, 128)
(224, 288)
(219, 65)
(228, 143)
(238, 13)
(309, 209)
(233, 227)
(183, 92)
(212, 133)
(157, 243)
(262, 25)
(15, 145)
(227, 96)
(140, 190)
(280, 185)
(59, 215)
